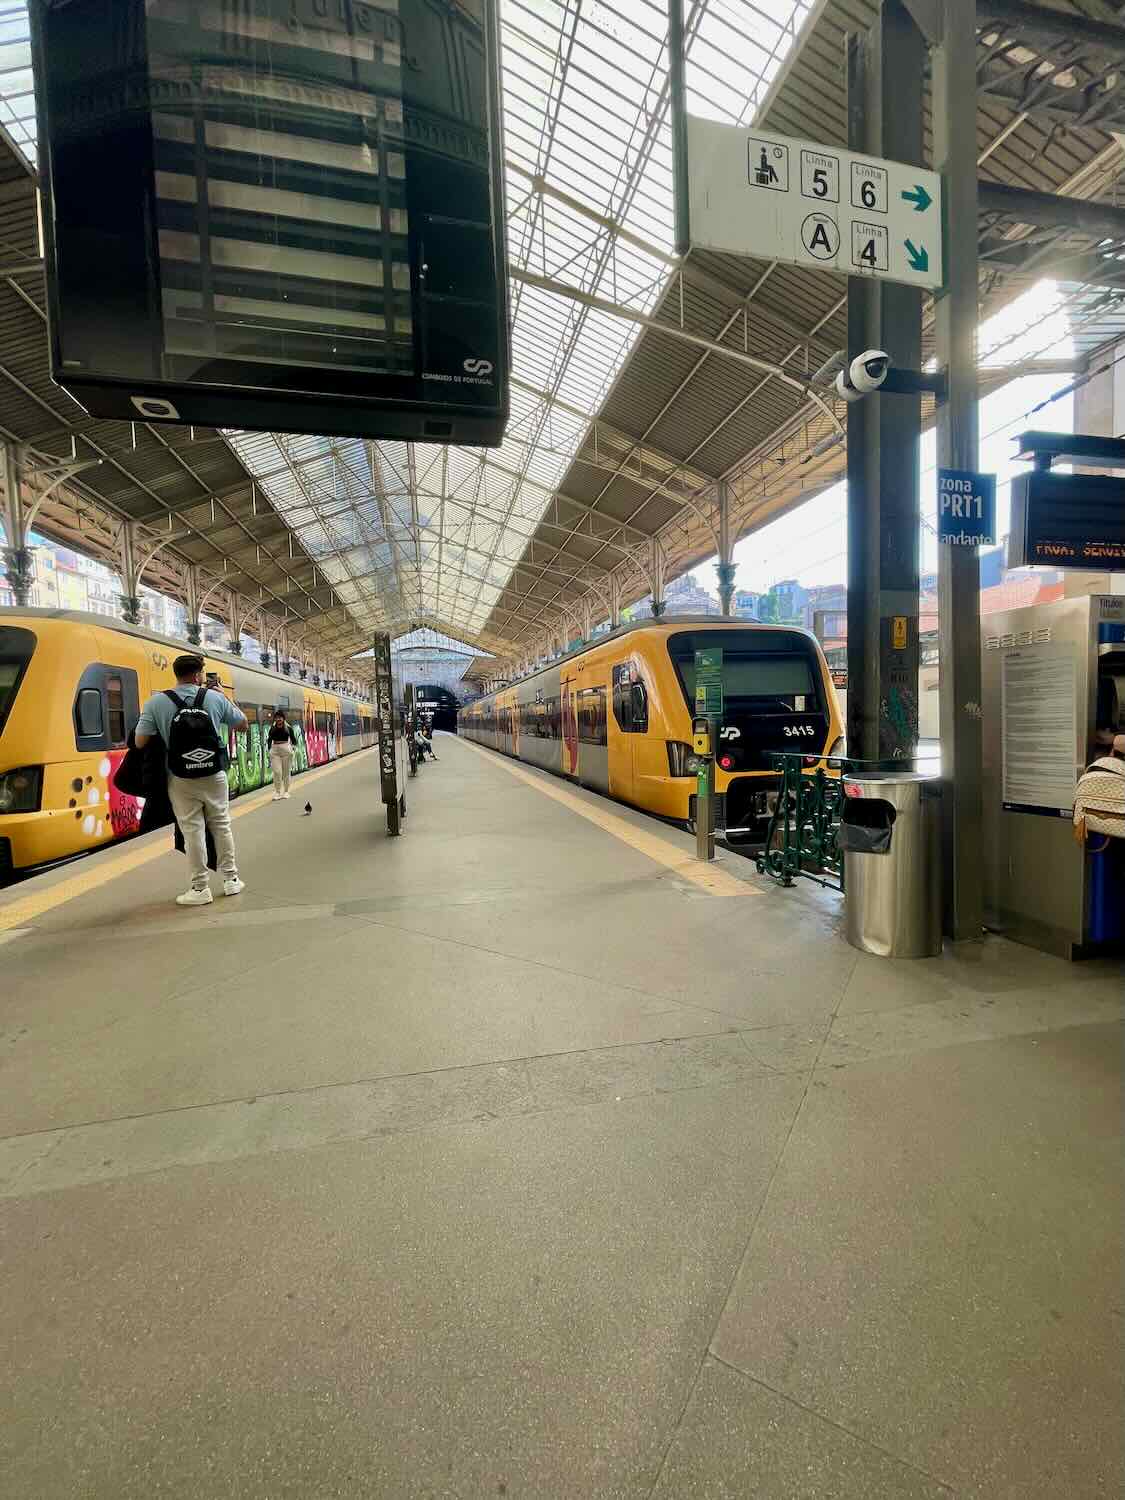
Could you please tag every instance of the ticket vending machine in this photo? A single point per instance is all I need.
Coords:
(1053, 689)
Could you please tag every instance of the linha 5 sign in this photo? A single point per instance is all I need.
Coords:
(966, 508)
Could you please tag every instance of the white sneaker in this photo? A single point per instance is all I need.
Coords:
(277, 797)
(285, 796)
(196, 898)
(233, 887)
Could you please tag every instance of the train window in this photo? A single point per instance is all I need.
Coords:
(592, 716)
(88, 714)
(622, 698)
(115, 704)
(772, 678)
(630, 701)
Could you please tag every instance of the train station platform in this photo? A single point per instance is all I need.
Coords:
(520, 1156)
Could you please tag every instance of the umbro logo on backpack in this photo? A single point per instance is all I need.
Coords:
(200, 756)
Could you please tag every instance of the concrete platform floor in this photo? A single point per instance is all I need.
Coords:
(506, 1158)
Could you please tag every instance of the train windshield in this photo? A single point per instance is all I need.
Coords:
(16, 647)
(768, 675)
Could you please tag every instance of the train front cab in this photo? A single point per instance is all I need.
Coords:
(777, 696)
(616, 717)
(627, 709)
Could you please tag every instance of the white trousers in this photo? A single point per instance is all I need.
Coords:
(281, 763)
(198, 806)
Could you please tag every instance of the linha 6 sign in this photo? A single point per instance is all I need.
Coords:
(966, 508)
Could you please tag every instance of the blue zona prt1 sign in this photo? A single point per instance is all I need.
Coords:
(966, 508)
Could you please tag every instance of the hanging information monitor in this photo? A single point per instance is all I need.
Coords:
(280, 215)
(1068, 521)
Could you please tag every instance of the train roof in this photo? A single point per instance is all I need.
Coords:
(180, 648)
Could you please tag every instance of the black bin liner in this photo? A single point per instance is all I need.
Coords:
(866, 824)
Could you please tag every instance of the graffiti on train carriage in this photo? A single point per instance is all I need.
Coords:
(71, 686)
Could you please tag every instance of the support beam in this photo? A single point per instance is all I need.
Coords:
(130, 574)
(1037, 24)
(19, 567)
(955, 325)
(884, 119)
(677, 110)
(1051, 211)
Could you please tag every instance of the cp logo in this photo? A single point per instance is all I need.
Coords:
(477, 367)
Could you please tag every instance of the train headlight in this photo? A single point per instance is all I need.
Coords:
(20, 789)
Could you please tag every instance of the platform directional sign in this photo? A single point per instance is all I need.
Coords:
(779, 198)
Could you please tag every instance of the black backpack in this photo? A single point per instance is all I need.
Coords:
(193, 746)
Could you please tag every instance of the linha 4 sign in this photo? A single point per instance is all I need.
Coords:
(966, 508)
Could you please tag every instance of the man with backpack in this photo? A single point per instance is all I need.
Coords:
(191, 720)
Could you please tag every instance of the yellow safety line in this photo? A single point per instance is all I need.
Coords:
(710, 878)
(24, 910)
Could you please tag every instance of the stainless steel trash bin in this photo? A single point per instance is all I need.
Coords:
(890, 832)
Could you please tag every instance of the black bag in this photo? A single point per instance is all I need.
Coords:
(194, 749)
(142, 772)
(129, 778)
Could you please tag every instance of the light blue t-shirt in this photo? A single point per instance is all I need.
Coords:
(158, 713)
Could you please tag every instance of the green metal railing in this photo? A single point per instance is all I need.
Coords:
(801, 839)
(803, 834)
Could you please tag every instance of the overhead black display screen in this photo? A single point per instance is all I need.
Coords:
(277, 214)
(1068, 521)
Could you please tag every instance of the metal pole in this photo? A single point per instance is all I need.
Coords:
(656, 575)
(725, 567)
(130, 575)
(884, 119)
(677, 102)
(862, 512)
(705, 806)
(955, 145)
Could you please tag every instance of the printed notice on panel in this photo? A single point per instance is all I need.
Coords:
(1039, 731)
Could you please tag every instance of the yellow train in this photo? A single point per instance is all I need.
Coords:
(616, 715)
(71, 689)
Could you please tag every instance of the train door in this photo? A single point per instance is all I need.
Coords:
(570, 727)
(106, 708)
(593, 738)
(628, 729)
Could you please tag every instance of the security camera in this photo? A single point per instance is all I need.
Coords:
(865, 374)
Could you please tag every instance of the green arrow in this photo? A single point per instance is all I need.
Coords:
(919, 197)
(919, 259)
